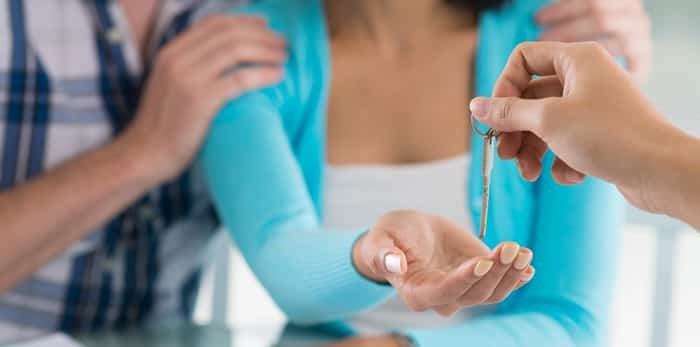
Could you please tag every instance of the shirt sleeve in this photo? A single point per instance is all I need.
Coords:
(575, 242)
(260, 194)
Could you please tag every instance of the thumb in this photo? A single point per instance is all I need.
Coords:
(389, 262)
(509, 114)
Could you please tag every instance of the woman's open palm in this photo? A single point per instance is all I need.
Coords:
(436, 264)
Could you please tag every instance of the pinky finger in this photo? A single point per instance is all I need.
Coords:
(447, 310)
(527, 277)
(509, 144)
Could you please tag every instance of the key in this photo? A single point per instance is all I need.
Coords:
(486, 168)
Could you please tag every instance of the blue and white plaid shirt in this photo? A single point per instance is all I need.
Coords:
(70, 78)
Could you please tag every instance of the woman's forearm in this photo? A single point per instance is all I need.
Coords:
(42, 217)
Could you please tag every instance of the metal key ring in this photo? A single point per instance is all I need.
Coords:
(489, 133)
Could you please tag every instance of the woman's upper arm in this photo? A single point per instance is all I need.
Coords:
(251, 171)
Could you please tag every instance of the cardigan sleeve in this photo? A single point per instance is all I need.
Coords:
(261, 196)
(575, 239)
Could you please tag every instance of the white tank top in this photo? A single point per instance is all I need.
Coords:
(356, 195)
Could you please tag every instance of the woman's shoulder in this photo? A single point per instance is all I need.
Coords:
(302, 23)
(299, 21)
(500, 31)
(512, 23)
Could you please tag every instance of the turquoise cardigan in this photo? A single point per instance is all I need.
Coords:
(264, 161)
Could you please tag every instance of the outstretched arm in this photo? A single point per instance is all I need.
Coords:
(576, 241)
(317, 275)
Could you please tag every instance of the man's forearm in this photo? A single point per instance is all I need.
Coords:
(679, 177)
(42, 217)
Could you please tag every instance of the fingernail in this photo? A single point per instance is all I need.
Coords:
(572, 176)
(509, 252)
(529, 274)
(522, 165)
(392, 262)
(523, 260)
(482, 267)
(479, 107)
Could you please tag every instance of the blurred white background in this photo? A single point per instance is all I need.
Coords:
(657, 301)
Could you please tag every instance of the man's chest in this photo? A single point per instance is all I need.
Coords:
(70, 75)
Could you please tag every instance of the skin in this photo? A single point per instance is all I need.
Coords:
(444, 266)
(88, 190)
(569, 110)
(621, 26)
(392, 36)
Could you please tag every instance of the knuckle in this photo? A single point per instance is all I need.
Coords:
(376, 264)
(244, 80)
(403, 214)
(173, 67)
(503, 112)
(597, 8)
(546, 123)
(604, 22)
(446, 312)
(598, 49)
(187, 91)
(496, 299)
(169, 63)
(474, 298)
(415, 305)
(525, 46)
(215, 20)
(583, 50)
(238, 50)
(164, 57)
(235, 28)
(627, 47)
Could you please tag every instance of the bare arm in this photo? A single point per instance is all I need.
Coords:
(587, 110)
(44, 216)
(41, 218)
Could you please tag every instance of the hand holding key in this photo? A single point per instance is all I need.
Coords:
(436, 264)
(598, 126)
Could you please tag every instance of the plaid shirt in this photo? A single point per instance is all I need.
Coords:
(70, 79)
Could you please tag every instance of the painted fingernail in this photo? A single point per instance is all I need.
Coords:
(529, 274)
(573, 176)
(509, 252)
(482, 267)
(392, 262)
(523, 260)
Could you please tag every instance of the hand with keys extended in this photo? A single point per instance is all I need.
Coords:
(585, 108)
(436, 264)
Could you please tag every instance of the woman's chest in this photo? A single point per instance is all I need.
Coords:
(398, 110)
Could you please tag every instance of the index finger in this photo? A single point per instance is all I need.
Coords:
(527, 60)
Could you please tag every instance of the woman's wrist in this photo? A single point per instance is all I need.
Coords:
(358, 261)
